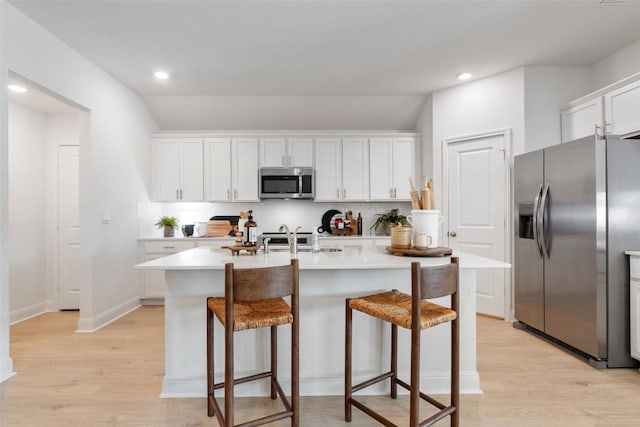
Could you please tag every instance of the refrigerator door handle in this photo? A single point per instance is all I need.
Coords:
(536, 202)
(543, 225)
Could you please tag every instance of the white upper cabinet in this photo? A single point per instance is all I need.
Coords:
(231, 169)
(391, 163)
(342, 169)
(622, 109)
(178, 169)
(582, 120)
(614, 110)
(286, 152)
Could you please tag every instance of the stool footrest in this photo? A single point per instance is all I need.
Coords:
(244, 379)
(423, 396)
(267, 419)
(372, 381)
(438, 416)
(372, 414)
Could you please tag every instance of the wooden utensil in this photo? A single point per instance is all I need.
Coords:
(433, 194)
(415, 197)
(426, 195)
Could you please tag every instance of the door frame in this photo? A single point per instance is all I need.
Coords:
(507, 189)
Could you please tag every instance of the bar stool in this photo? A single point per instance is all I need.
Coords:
(415, 313)
(254, 299)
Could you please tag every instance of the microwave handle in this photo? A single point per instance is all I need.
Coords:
(300, 185)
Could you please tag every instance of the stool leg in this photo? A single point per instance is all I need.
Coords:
(347, 362)
(228, 374)
(414, 397)
(394, 360)
(295, 372)
(274, 360)
(455, 373)
(210, 370)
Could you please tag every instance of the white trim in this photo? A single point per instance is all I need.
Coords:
(283, 133)
(87, 325)
(195, 386)
(22, 314)
(508, 232)
(6, 369)
(601, 92)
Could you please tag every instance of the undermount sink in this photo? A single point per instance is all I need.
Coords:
(303, 249)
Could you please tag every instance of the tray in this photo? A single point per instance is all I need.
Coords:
(235, 250)
(432, 252)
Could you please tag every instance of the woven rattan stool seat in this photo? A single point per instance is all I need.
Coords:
(254, 314)
(395, 307)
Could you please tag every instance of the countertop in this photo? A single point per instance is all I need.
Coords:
(350, 258)
(198, 239)
(632, 253)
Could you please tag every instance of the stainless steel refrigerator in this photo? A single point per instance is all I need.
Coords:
(577, 209)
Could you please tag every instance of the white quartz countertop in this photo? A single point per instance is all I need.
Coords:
(350, 258)
(632, 253)
(198, 239)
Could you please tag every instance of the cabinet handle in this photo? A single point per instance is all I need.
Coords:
(395, 193)
(168, 247)
(283, 161)
(181, 194)
(391, 193)
(607, 128)
(344, 193)
(596, 130)
(177, 194)
(235, 193)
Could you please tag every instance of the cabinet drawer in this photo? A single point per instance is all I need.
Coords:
(169, 247)
(634, 264)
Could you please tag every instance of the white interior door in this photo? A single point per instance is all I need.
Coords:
(69, 227)
(477, 183)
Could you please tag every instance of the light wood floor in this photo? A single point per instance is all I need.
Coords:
(113, 378)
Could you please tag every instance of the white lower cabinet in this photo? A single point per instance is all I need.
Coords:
(634, 300)
(152, 286)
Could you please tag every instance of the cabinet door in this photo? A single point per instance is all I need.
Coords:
(273, 152)
(191, 166)
(328, 169)
(635, 316)
(380, 169)
(154, 283)
(355, 169)
(403, 167)
(300, 152)
(166, 170)
(582, 120)
(217, 169)
(622, 109)
(245, 169)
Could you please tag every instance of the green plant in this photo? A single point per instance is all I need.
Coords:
(386, 220)
(167, 221)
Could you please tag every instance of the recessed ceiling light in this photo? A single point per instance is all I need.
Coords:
(161, 75)
(464, 76)
(17, 88)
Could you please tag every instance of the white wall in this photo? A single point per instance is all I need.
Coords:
(546, 89)
(424, 127)
(114, 166)
(484, 105)
(617, 66)
(27, 212)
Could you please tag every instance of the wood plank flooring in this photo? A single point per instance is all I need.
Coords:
(113, 378)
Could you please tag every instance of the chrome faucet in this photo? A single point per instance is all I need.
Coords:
(292, 238)
(265, 243)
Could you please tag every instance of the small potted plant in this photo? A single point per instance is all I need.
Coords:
(385, 221)
(169, 224)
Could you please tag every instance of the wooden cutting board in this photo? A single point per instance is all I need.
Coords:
(429, 252)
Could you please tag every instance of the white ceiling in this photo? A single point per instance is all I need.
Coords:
(287, 51)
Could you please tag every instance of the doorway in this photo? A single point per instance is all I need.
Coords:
(476, 186)
(44, 146)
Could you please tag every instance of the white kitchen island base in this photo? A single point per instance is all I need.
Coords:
(326, 279)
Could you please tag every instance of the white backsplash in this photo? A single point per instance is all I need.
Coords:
(267, 214)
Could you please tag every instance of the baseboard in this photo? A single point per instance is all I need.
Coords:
(92, 324)
(22, 314)
(431, 383)
(6, 369)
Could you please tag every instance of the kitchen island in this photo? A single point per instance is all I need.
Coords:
(326, 279)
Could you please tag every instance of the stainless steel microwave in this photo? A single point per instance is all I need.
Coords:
(286, 183)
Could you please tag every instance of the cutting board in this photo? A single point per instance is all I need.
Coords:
(219, 228)
(429, 252)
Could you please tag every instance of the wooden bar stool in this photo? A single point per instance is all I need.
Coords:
(415, 313)
(254, 299)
